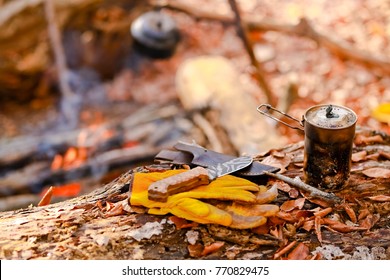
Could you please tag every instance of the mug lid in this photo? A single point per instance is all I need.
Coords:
(330, 116)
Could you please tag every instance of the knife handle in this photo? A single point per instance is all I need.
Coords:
(162, 189)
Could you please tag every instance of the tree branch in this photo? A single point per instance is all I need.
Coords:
(259, 72)
(303, 29)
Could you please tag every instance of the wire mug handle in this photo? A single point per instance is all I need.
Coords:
(264, 109)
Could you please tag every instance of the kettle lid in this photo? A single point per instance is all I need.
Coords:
(330, 116)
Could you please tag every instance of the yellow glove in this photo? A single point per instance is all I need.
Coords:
(186, 204)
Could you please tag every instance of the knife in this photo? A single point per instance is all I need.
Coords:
(162, 189)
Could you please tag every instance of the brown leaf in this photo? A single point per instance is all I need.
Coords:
(293, 193)
(290, 205)
(363, 213)
(212, 248)
(380, 198)
(289, 217)
(195, 250)
(302, 213)
(369, 221)
(181, 223)
(323, 212)
(116, 210)
(317, 228)
(308, 225)
(377, 172)
(264, 229)
(384, 155)
(301, 252)
(46, 198)
(359, 156)
(284, 250)
(277, 161)
(350, 212)
(365, 140)
(341, 227)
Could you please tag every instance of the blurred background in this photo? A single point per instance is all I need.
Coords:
(90, 89)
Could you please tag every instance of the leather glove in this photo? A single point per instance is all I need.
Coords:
(226, 189)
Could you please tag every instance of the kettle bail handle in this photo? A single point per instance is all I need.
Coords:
(264, 109)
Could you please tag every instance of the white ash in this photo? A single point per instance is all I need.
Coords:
(331, 252)
(146, 231)
(192, 236)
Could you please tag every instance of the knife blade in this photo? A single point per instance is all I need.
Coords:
(162, 189)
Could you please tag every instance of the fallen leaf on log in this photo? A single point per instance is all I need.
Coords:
(308, 225)
(359, 156)
(277, 161)
(301, 252)
(284, 250)
(317, 228)
(212, 248)
(361, 139)
(363, 213)
(380, 198)
(370, 221)
(46, 197)
(322, 213)
(290, 205)
(377, 172)
(350, 212)
(341, 227)
(293, 193)
(195, 250)
(181, 223)
(264, 229)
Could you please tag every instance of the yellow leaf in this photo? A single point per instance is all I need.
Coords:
(382, 113)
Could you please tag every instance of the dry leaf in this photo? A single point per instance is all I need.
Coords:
(366, 140)
(284, 250)
(380, 198)
(195, 250)
(370, 221)
(308, 225)
(317, 228)
(341, 227)
(350, 212)
(322, 213)
(264, 229)
(301, 252)
(181, 223)
(212, 248)
(363, 213)
(359, 156)
(290, 205)
(46, 198)
(276, 161)
(377, 172)
(286, 216)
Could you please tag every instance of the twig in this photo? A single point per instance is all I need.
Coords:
(302, 29)
(57, 48)
(313, 192)
(259, 72)
(70, 103)
(209, 131)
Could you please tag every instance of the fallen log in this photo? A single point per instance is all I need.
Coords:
(102, 225)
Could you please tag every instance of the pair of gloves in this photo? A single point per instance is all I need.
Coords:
(229, 201)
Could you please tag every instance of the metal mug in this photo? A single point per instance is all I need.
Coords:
(329, 133)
